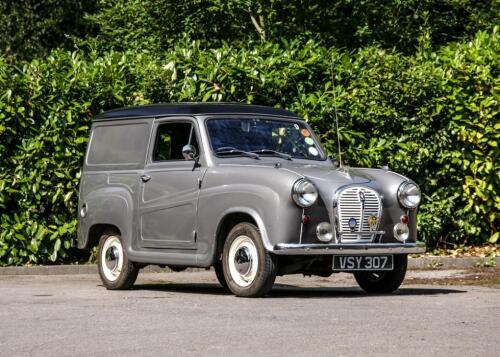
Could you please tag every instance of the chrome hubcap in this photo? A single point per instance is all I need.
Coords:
(243, 261)
(112, 258)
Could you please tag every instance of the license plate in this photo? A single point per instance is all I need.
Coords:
(362, 262)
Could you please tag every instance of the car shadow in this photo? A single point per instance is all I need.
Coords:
(197, 288)
(292, 291)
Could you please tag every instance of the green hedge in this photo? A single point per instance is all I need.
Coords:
(432, 116)
(157, 25)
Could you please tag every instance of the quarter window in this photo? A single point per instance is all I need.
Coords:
(171, 138)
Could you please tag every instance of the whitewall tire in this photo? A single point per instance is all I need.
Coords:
(249, 269)
(115, 270)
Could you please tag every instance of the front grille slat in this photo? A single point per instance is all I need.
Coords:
(349, 205)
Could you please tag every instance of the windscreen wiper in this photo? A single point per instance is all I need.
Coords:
(273, 152)
(234, 151)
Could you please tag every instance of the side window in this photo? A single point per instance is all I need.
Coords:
(170, 139)
(114, 144)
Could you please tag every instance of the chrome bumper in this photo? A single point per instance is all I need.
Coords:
(352, 248)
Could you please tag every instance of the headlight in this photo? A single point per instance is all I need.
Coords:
(304, 193)
(409, 194)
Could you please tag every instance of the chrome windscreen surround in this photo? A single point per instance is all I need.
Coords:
(355, 208)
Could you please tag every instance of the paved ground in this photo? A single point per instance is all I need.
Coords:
(441, 262)
(176, 314)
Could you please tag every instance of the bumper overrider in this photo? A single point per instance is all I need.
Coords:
(343, 249)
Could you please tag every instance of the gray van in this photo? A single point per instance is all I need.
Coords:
(245, 189)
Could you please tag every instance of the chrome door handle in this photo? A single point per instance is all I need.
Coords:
(145, 178)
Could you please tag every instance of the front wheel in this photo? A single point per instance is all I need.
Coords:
(249, 269)
(383, 282)
(219, 273)
(116, 271)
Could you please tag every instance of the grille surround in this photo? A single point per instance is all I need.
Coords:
(350, 204)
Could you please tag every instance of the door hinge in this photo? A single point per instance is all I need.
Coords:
(194, 236)
(200, 180)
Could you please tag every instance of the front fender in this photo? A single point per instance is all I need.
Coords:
(262, 193)
(256, 217)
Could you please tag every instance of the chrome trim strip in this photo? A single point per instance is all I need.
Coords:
(362, 233)
(343, 249)
(302, 225)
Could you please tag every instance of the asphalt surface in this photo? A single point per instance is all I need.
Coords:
(177, 314)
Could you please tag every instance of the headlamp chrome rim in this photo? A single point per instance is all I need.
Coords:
(304, 193)
(404, 193)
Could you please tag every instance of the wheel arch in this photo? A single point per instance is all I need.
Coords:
(97, 230)
(232, 217)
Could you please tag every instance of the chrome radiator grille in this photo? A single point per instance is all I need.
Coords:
(359, 203)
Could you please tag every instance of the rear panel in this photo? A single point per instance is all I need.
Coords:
(109, 185)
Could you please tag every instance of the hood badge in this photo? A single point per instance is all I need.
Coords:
(362, 197)
(372, 222)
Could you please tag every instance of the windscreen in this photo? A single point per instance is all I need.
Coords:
(292, 138)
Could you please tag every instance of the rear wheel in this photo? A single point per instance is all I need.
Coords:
(115, 270)
(249, 269)
(383, 282)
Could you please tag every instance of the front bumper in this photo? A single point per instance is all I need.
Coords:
(352, 248)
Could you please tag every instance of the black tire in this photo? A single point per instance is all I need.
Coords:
(384, 282)
(265, 270)
(123, 278)
(219, 273)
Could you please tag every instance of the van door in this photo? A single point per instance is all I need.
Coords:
(170, 187)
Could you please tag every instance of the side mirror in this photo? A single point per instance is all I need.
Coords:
(189, 152)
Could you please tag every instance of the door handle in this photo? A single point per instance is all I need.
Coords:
(145, 178)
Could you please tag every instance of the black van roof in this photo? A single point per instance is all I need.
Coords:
(156, 110)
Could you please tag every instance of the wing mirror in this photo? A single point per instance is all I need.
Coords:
(189, 152)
